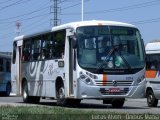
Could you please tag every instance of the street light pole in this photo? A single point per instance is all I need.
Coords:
(82, 9)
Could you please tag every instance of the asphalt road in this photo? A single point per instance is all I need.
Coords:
(131, 105)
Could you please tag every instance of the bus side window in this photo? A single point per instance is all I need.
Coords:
(26, 54)
(35, 48)
(59, 43)
(14, 52)
(152, 62)
(47, 46)
(26, 50)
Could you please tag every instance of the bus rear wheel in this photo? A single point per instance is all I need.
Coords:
(26, 97)
(151, 99)
(118, 103)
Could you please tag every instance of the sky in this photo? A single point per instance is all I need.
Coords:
(35, 16)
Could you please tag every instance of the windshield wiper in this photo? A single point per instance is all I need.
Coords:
(105, 62)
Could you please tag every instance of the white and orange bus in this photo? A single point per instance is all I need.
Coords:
(153, 73)
(81, 60)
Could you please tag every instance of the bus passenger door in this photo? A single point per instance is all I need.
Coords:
(16, 68)
(70, 68)
(69, 64)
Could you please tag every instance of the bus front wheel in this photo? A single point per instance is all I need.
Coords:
(151, 99)
(61, 100)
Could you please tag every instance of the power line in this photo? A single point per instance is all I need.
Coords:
(31, 25)
(37, 10)
(146, 21)
(5, 1)
(74, 5)
(24, 19)
(131, 7)
(137, 22)
(62, 1)
(29, 13)
(71, 6)
(15, 3)
(140, 5)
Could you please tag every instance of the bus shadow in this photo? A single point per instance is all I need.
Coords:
(3, 94)
(91, 106)
(102, 106)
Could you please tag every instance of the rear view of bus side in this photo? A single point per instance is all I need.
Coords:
(82, 60)
(153, 73)
(5, 74)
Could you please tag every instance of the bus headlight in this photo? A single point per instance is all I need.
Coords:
(139, 80)
(83, 76)
(86, 79)
(91, 75)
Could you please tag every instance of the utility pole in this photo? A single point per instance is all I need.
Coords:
(82, 10)
(55, 12)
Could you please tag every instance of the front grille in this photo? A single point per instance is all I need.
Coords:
(110, 83)
(121, 92)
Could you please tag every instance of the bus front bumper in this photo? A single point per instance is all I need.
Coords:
(101, 92)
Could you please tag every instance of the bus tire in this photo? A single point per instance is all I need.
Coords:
(8, 89)
(61, 100)
(118, 103)
(151, 99)
(25, 95)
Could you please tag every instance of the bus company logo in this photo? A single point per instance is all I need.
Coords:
(114, 83)
(50, 72)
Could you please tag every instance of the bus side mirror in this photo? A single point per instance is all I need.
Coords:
(74, 42)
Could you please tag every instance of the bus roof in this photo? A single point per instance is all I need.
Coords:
(74, 25)
(91, 23)
(152, 48)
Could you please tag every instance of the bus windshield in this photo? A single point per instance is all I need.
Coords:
(111, 48)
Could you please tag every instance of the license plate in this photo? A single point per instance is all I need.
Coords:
(114, 90)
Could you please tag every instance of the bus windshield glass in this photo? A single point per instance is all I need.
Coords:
(109, 48)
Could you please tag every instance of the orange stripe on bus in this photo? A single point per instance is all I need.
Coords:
(104, 79)
(151, 73)
(100, 24)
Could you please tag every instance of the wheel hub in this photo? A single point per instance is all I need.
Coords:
(150, 97)
(25, 93)
(61, 93)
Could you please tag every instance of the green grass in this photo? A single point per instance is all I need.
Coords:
(58, 113)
